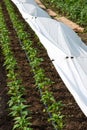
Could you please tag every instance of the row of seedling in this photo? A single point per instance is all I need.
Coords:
(18, 108)
(42, 82)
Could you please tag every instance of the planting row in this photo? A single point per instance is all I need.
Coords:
(42, 82)
(16, 103)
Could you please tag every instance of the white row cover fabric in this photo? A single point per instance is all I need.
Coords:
(64, 47)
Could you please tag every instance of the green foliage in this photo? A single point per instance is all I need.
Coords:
(16, 103)
(75, 9)
(41, 80)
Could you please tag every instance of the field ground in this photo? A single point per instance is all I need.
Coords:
(74, 118)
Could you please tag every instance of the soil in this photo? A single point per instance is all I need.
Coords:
(74, 118)
(5, 120)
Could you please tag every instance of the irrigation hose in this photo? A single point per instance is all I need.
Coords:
(46, 107)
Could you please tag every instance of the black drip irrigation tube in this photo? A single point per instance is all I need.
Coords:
(46, 106)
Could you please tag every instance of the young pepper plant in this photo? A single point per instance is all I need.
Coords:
(16, 103)
(41, 81)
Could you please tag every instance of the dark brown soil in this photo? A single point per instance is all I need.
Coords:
(5, 120)
(74, 118)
